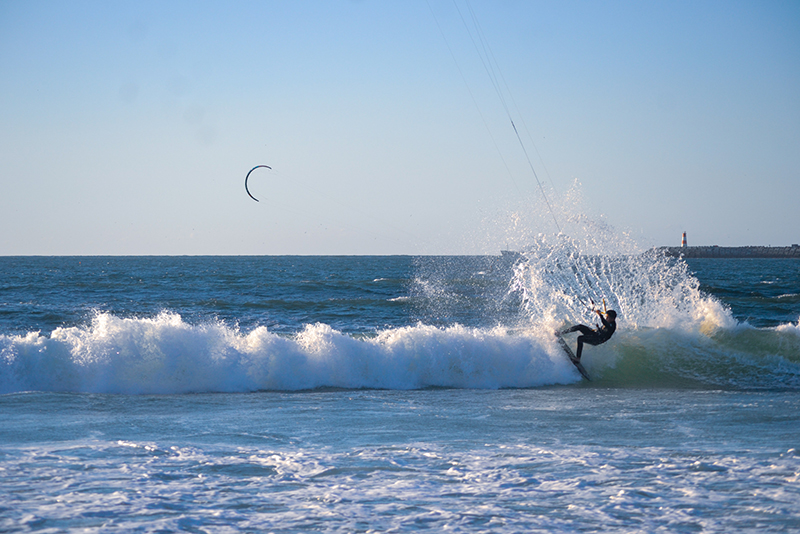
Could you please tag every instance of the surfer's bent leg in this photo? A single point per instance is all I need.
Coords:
(588, 337)
(583, 329)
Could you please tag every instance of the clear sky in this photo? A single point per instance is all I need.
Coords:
(128, 127)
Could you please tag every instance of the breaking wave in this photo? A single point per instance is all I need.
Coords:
(164, 355)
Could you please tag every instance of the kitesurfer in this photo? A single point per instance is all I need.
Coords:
(595, 336)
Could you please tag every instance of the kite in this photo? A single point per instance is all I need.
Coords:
(248, 176)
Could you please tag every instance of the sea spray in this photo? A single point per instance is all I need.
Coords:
(559, 283)
(567, 275)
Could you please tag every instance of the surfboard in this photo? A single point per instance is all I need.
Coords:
(572, 357)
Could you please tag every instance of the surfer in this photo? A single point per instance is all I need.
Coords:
(595, 336)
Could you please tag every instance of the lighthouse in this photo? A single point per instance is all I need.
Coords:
(683, 240)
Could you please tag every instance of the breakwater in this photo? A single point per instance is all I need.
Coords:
(733, 252)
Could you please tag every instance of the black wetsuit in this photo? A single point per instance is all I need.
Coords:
(592, 336)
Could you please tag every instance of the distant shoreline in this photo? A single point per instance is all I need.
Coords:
(733, 252)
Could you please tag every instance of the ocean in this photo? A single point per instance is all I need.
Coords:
(398, 394)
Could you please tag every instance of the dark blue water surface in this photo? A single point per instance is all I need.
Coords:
(763, 292)
(354, 294)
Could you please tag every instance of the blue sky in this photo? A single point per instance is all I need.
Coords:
(128, 127)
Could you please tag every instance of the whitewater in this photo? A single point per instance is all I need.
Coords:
(358, 394)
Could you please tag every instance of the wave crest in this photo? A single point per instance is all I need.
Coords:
(164, 354)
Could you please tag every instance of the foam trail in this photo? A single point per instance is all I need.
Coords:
(166, 355)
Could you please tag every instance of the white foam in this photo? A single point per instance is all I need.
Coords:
(164, 354)
(792, 328)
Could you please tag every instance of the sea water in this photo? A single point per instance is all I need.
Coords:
(388, 394)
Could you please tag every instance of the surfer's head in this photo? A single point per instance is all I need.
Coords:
(611, 314)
